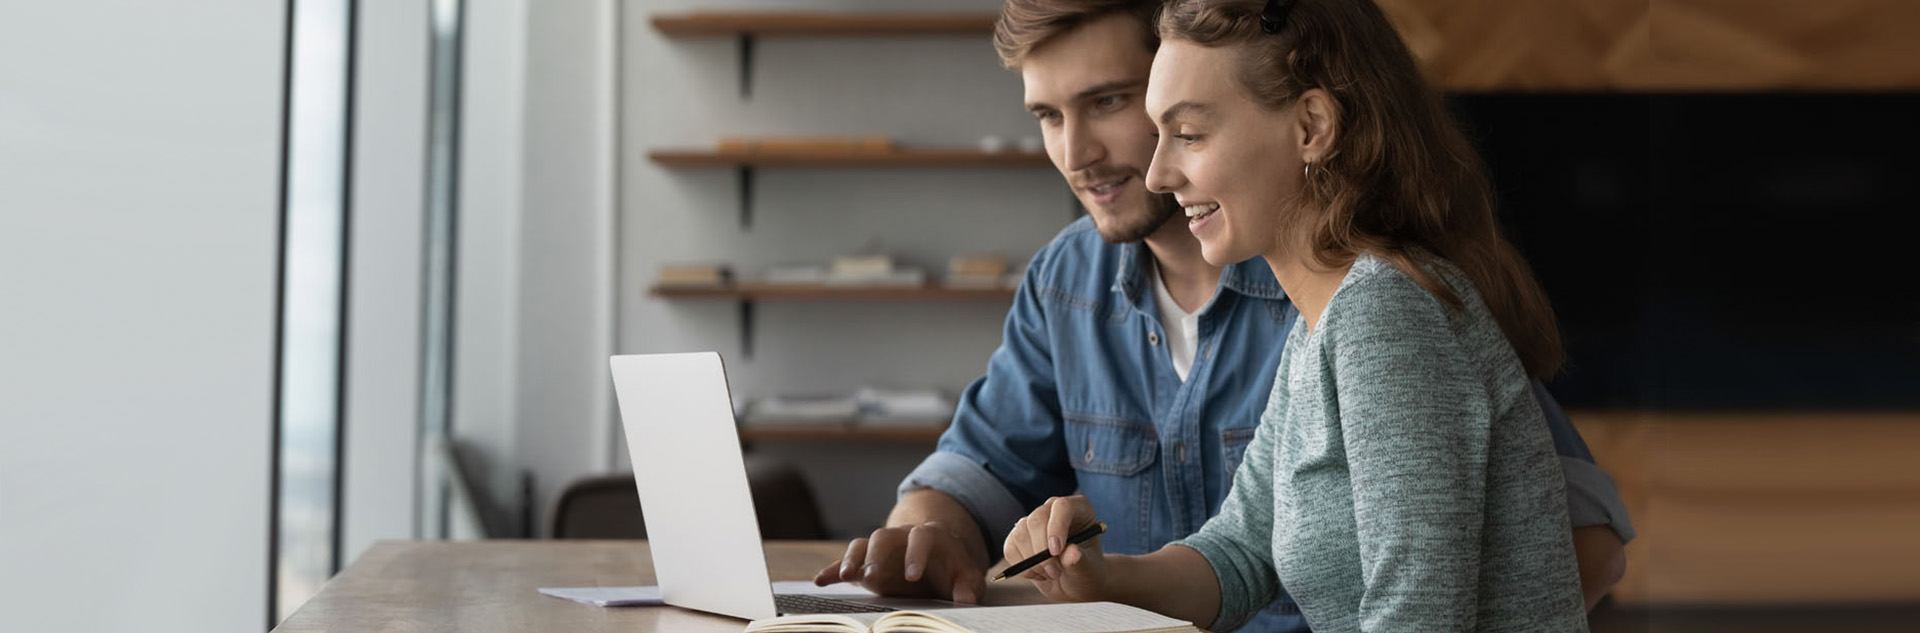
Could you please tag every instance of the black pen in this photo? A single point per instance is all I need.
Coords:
(1078, 538)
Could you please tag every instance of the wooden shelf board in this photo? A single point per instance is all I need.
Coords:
(794, 23)
(841, 434)
(954, 157)
(767, 292)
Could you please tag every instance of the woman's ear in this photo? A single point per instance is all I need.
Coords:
(1318, 123)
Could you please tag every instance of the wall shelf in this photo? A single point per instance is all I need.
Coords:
(749, 294)
(747, 26)
(908, 158)
(929, 158)
(785, 292)
(822, 24)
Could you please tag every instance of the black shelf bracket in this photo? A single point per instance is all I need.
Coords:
(746, 329)
(746, 66)
(746, 197)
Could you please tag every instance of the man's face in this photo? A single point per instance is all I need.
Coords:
(1087, 87)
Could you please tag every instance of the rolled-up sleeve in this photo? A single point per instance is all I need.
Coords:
(1005, 451)
(988, 500)
(1592, 499)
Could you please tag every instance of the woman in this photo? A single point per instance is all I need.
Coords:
(1401, 477)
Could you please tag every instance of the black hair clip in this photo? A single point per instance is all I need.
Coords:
(1274, 17)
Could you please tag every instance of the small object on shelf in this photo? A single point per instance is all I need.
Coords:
(807, 411)
(992, 144)
(902, 408)
(804, 275)
(694, 276)
(1032, 145)
(897, 278)
(976, 271)
(849, 266)
(873, 270)
(805, 145)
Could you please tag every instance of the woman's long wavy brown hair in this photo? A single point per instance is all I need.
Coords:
(1401, 181)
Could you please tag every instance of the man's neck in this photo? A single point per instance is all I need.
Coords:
(1188, 276)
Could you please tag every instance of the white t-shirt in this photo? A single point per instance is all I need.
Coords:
(1183, 328)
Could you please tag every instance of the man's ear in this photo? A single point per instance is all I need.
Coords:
(1318, 123)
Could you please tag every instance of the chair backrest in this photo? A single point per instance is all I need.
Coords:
(608, 506)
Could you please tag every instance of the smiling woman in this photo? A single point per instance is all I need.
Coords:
(1402, 476)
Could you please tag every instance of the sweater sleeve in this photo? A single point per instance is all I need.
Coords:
(1416, 432)
(1238, 542)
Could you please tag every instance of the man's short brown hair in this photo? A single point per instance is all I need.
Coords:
(1026, 24)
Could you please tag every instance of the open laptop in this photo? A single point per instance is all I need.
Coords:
(693, 488)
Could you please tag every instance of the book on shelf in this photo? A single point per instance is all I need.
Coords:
(1075, 617)
(694, 276)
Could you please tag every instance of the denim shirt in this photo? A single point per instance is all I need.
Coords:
(1082, 396)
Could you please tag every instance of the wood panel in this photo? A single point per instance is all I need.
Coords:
(1765, 508)
(1664, 44)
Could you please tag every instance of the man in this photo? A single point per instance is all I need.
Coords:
(1131, 370)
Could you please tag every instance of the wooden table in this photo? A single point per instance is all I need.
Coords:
(477, 587)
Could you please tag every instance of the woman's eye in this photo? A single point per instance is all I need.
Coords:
(1188, 138)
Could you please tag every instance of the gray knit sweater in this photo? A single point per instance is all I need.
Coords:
(1402, 477)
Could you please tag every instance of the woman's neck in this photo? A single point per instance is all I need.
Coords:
(1309, 285)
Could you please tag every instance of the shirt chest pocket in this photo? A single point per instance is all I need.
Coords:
(1234, 448)
(1110, 447)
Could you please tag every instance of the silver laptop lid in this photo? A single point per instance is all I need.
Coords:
(693, 483)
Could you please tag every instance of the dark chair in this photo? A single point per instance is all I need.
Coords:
(608, 506)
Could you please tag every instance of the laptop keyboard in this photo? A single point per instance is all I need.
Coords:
(803, 604)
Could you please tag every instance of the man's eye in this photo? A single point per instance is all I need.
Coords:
(1047, 117)
(1108, 102)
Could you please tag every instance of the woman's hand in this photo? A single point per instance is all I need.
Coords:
(1076, 573)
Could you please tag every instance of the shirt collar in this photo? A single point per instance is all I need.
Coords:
(1252, 278)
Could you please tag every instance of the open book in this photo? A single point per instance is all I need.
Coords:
(1083, 617)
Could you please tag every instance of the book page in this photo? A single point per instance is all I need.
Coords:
(1089, 617)
(816, 623)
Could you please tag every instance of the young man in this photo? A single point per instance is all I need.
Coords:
(1131, 370)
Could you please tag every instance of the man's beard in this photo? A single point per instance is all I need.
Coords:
(1161, 207)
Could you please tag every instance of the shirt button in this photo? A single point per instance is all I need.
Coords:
(1153, 338)
(1180, 452)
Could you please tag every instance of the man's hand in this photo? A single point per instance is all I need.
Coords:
(1076, 573)
(923, 560)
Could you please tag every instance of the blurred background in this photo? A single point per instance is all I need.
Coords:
(282, 279)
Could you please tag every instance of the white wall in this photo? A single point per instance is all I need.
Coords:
(488, 257)
(139, 185)
(566, 298)
(384, 284)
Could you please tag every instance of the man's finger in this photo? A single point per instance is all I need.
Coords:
(920, 543)
(854, 561)
(827, 576)
(884, 550)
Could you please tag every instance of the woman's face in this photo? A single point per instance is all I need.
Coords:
(1230, 163)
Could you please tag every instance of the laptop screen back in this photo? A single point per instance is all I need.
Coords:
(693, 483)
